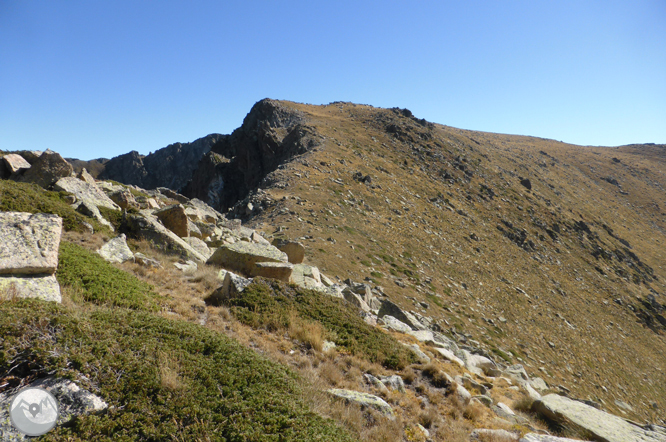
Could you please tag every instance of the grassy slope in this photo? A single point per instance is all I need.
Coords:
(163, 378)
(412, 223)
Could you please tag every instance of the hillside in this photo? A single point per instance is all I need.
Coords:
(564, 277)
(484, 253)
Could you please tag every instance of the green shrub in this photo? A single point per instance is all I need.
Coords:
(100, 282)
(270, 304)
(29, 197)
(163, 379)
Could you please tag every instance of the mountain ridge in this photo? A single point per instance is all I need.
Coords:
(546, 252)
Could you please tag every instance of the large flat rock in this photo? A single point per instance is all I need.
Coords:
(29, 242)
(86, 192)
(601, 426)
(44, 287)
(242, 256)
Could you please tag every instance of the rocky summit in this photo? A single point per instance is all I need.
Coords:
(339, 272)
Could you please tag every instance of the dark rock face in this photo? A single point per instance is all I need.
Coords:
(170, 167)
(271, 134)
(127, 168)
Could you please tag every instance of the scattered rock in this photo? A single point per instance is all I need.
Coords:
(173, 195)
(463, 395)
(48, 168)
(449, 356)
(471, 384)
(482, 435)
(90, 210)
(394, 382)
(188, 267)
(483, 399)
(377, 383)
(534, 437)
(257, 238)
(539, 384)
(295, 250)
(599, 424)
(423, 358)
(364, 400)
(116, 250)
(392, 309)
(480, 365)
(145, 261)
(29, 242)
(516, 372)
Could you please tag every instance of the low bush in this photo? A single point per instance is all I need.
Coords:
(163, 379)
(101, 283)
(269, 304)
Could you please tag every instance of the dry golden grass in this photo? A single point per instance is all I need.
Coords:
(168, 369)
(391, 229)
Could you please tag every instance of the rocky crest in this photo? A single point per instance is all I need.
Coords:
(170, 167)
(271, 134)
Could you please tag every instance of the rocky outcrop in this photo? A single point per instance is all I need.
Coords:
(48, 168)
(116, 250)
(270, 134)
(601, 426)
(13, 164)
(169, 167)
(85, 192)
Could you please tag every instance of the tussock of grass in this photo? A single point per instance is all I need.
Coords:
(100, 282)
(28, 197)
(163, 379)
(270, 304)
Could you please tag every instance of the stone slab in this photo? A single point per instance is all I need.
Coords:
(29, 242)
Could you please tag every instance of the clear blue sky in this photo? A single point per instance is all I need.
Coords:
(99, 78)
